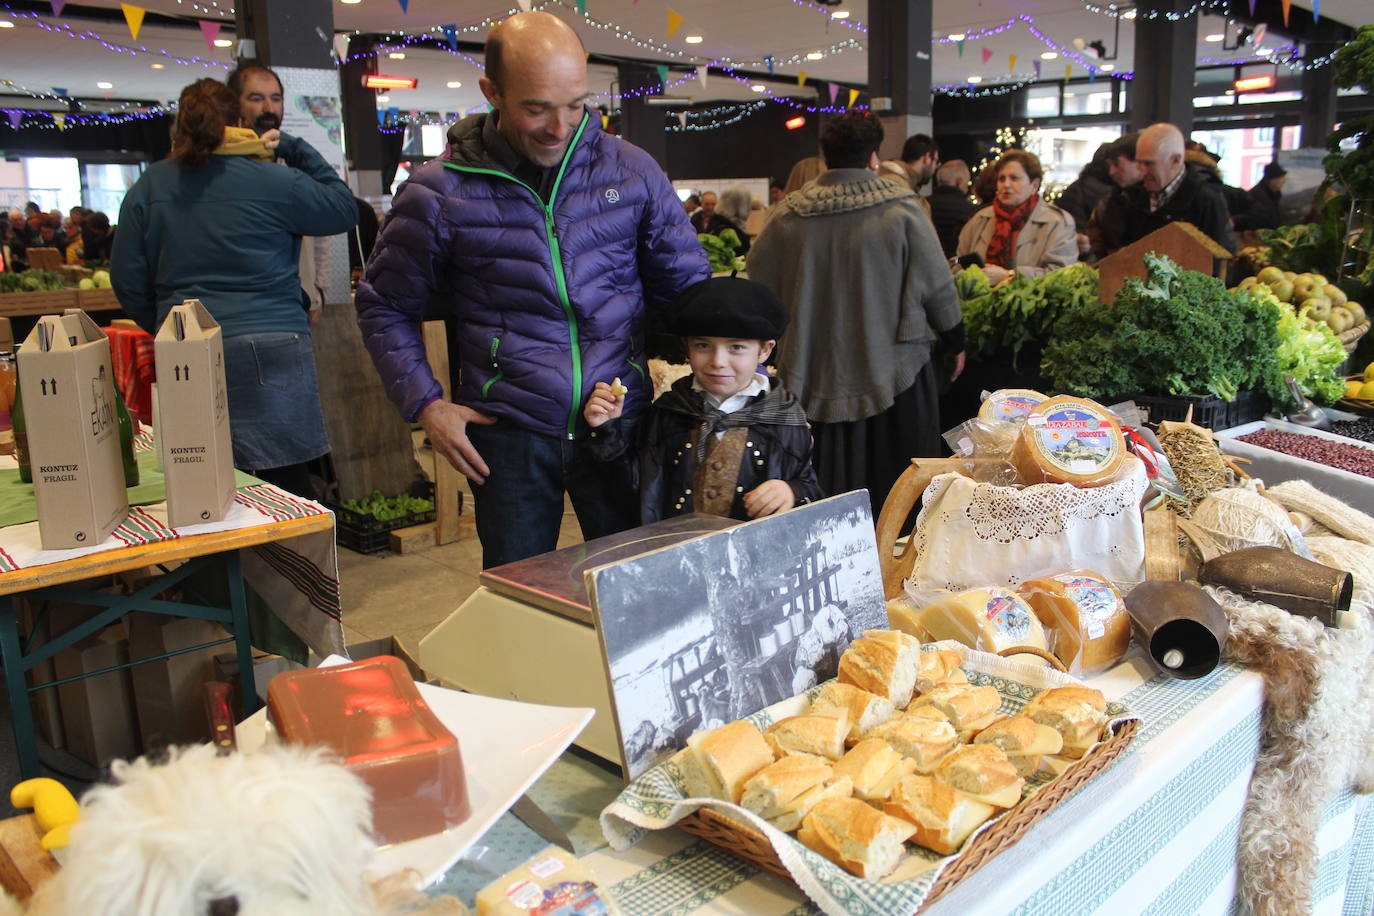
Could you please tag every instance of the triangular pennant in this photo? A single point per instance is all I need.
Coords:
(393, 115)
(682, 119)
(801, 77)
(605, 121)
(60, 120)
(381, 118)
(853, 97)
(768, 62)
(450, 35)
(341, 46)
(702, 72)
(1316, 10)
(133, 17)
(960, 45)
(405, 5)
(582, 7)
(524, 5)
(1286, 4)
(1252, 9)
(57, 7)
(1011, 63)
(987, 55)
(209, 31)
(662, 76)
(674, 21)
(1068, 70)
(833, 89)
(1037, 68)
(1260, 31)
(1092, 75)
(15, 117)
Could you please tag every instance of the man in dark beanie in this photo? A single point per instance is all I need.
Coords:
(726, 440)
(1268, 192)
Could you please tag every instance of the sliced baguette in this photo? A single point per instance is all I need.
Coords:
(923, 741)
(817, 735)
(857, 837)
(982, 772)
(864, 709)
(874, 767)
(718, 762)
(944, 818)
(882, 665)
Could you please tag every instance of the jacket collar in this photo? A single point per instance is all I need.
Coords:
(468, 146)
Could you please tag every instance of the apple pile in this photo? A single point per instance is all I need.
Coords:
(1311, 295)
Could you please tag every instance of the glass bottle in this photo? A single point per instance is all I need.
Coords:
(7, 392)
(126, 441)
(21, 437)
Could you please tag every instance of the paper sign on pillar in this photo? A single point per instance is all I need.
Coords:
(67, 383)
(193, 416)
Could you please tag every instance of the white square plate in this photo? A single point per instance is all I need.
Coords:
(506, 746)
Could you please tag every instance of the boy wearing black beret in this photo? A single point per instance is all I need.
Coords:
(728, 439)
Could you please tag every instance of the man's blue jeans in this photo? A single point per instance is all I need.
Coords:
(520, 506)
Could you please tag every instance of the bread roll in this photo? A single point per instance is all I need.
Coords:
(1085, 617)
(857, 837)
(874, 767)
(936, 668)
(982, 772)
(864, 709)
(924, 741)
(820, 736)
(884, 666)
(1023, 740)
(1077, 713)
(718, 762)
(786, 790)
(943, 817)
(967, 708)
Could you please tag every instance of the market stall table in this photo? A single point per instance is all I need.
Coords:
(1156, 832)
(261, 516)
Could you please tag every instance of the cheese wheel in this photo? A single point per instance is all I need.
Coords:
(1069, 440)
(1010, 404)
(988, 619)
(1086, 618)
(902, 615)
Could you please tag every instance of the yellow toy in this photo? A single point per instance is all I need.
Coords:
(53, 806)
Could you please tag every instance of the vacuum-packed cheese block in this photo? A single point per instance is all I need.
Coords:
(1069, 440)
(1010, 404)
(370, 714)
(1086, 617)
(988, 619)
(553, 882)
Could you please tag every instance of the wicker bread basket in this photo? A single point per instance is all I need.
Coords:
(1351, 338)
(752, 846)
(1362, 406)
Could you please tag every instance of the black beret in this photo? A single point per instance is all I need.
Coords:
(728, 307)
(1273, 170)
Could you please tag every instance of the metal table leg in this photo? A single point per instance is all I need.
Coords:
(12, 656)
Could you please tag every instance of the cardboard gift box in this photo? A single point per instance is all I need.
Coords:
(67, 383)
(193, 416)
(98, 712)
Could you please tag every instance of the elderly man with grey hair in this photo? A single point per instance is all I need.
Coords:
(1171, 192)
(950, 207)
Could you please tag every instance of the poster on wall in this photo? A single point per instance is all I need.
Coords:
(313, 111)
(698, 634)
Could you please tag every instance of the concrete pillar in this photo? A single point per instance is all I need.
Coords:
(361, 140)
(295, 34)
(899, 48)
(1163, 91)
(1319, 85)
(640, 123)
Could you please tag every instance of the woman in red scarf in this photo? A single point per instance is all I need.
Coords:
(1019, 232)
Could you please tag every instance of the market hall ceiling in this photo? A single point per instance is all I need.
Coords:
(748, 33)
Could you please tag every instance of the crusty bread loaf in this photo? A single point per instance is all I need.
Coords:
(936, 668)
(882, 665)
(785, 791)
(924, 741)
(797, 810)
(1077, 713)
(967, 708)
(855, 836)
(820, 736)
(874, 767)
(1023, 740)
(896, 637)
(865, 709)
(943, 817)
(982, 772)
(718, 762)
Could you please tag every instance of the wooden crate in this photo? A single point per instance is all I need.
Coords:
(1184, 243)
(97, 300)
(54, 302)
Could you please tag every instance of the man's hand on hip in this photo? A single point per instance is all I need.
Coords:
(446, 425)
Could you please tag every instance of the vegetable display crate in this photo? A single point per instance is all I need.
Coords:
(43, 302)
(362, 533)
(97, 300)
(1208, 410)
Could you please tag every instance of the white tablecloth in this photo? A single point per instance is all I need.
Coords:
(1154, 833)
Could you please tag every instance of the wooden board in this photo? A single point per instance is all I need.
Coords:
(24, 864)
(447, 500)
(1184, 243)
(1162, 561)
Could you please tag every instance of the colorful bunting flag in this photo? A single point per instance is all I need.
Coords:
(674, 21)
(833, 89)
(60, 120)
(987, 55)
(768, 62)
(340, 45)
(405, 5)
(1037, 69)
(960, 45)
(381, 118)
(394, 115)
(450, 35)
(1068, 70)
(801, 77)
(524, 5)
(702, 71)
(682, 119)
(15, 117)
(1011, 64)
(57, 7)
(1260, 31)
(58, 90)
(1286, 5)
(209, 31)
(605, 121)
(662, 76)
(1252, 9)
(582, 7)
(133, 17)
(1316, 10)
(853, 97)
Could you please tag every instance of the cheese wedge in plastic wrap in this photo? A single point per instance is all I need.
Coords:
(553, 882)
(1010, 404)
(988, 619)
(1085, 617)
(1069, 440)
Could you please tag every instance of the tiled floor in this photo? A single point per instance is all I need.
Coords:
(406, 596)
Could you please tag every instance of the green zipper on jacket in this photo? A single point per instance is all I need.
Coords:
(486, 386)
(556, 253)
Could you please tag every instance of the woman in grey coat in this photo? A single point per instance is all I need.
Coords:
(1018, 232)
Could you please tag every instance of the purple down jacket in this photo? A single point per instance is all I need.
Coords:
(546, 302)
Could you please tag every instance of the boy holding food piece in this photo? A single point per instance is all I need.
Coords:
(726, 440)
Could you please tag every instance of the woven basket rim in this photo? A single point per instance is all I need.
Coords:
(751, 845)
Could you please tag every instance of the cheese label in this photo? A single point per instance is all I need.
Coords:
(525, 894)
(1010, 404)
(546, 866)
(1095, 600)
(1009, 616)
(1075, 440)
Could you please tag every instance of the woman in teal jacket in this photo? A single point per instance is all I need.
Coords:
(220, 221)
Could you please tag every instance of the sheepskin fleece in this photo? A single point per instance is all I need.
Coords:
(1317, 739)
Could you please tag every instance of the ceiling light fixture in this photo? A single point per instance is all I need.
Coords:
(383, 99)
(1129, 14)
(975, 79)
(224, 42)
(1214, 37)
(350, 2)
(158, 66)
(759, 87)
(1049, 55)
(6, 24)
(957, 36)
(1107, 68)
(1252, 83)
(796, 123)
(667, 100)
(104, 85)
(389, 82)
(815, 55)
(454, 84)
(693, 39)
(397, 55)
(840, 14)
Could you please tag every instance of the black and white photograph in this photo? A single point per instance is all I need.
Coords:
(701, 633)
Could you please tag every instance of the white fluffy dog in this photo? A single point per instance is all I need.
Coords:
(276, 832)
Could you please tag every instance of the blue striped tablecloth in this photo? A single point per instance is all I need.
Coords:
(1155, 833)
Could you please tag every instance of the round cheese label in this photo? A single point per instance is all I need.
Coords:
(1009, 616)
(1095, 600)
(1010, 404)
(1075, 440)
